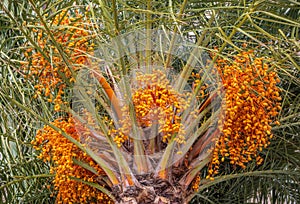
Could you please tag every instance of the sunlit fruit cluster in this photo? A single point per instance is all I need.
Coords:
(62, 51)
(196, 182)
(252, 102)
(155, 103)
(196, 81)
(58, 150)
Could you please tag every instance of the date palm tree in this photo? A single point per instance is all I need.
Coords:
(128, 101)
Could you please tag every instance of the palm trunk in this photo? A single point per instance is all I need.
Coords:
(153, 191)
